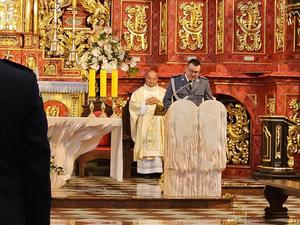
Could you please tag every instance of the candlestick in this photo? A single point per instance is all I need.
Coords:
(53, 41)
(103, 114)
(102, 83)
(92, 82)
(114, 84)
(55, 12)
(73, 53)
(114, 108)
(92, 107)
(72, 60)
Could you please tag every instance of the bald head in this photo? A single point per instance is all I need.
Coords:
(151, 78)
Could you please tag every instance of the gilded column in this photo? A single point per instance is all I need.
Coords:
(35, 16)
(28, 10)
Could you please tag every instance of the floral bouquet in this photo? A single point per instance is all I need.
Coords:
(54, 168)
(105, 51)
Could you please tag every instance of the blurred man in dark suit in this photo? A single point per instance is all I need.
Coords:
(25, 194)
(190, 86)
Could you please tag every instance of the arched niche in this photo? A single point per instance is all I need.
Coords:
(238, 133)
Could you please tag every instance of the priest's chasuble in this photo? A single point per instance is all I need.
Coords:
(146, 129)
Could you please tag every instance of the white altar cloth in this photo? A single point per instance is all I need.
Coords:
(71, 137)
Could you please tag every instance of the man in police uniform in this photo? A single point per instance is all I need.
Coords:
(25, 194)
(189, 86)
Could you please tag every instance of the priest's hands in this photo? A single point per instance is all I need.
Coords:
(152, 101)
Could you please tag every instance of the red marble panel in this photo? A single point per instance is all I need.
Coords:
(297, 162)
(13, 55)
(237, 171)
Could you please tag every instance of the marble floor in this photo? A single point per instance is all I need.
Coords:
(247, 208)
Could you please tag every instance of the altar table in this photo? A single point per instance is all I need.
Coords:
(71, 137)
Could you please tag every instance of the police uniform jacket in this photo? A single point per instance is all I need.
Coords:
(195, 91)
(24, 149)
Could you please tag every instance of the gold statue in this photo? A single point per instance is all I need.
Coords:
(30, 62)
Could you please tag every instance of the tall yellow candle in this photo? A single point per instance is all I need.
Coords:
(74, 2)
(102, 83)
(92, 82)
(114, 83)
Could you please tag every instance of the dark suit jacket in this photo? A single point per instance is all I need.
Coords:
(198, 91)
(24, 149)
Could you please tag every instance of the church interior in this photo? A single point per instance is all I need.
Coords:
(90, 55)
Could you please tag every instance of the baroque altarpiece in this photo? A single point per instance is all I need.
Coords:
(250, 52)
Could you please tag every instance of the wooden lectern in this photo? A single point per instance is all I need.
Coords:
(274, 155)
(195, 149)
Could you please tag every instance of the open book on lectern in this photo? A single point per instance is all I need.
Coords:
(159, 110)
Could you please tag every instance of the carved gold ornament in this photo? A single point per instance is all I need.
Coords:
(163, 28)
(52, 38)
(238, 130)
(135, 37)
(268, 137)
(220, 26)
(250, 24)
(99, 12)
(8, 55)
(69, 104)
(52, 110)
(9, 40)
(57, 41)
(295, 109)
(120, 104)
(293, 145)
(293, 137)
(11, 15)
(279, 33)
(50, 69)
(278, 142)
(191, 26)
(270, 106)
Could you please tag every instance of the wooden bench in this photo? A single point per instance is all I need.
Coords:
(276, 193)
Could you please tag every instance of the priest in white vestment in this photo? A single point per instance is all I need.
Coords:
(147, 129)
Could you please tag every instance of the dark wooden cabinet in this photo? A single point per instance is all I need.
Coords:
(274, 155)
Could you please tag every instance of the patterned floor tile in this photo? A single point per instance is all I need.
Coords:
(246, 209)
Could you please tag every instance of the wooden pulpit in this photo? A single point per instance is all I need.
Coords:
(274, 155)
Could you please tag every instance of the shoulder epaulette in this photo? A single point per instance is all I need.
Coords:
(177, 76)
(203, 77)
(17, 65)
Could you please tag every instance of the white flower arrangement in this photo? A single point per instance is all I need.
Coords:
(106, 52)
(54, 168)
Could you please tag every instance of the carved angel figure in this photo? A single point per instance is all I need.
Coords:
(98, 10)
(295, 109)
